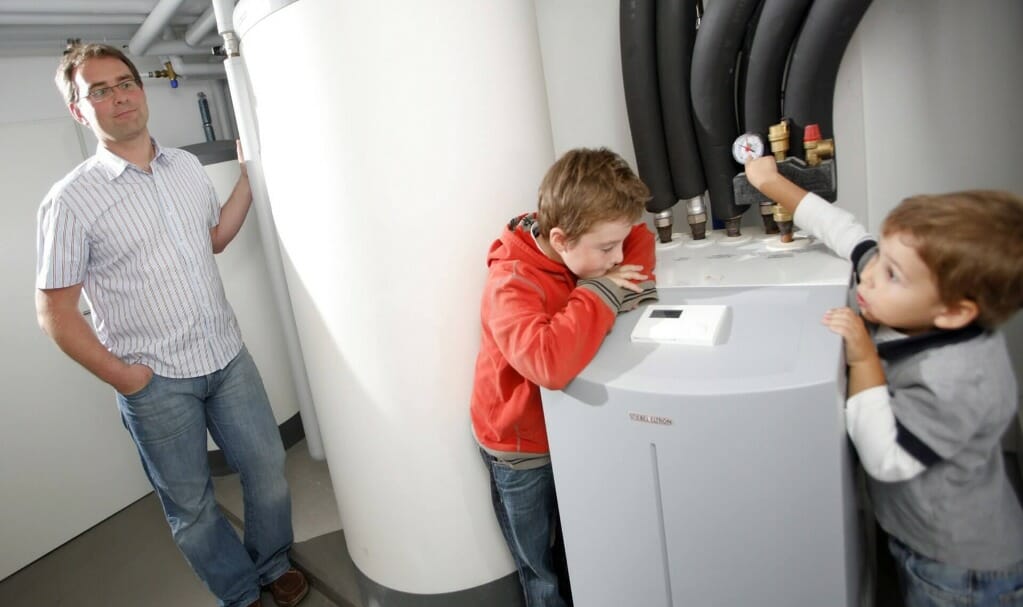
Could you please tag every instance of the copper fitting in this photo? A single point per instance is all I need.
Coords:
(766, 214)
(784, 220)
(663, 222)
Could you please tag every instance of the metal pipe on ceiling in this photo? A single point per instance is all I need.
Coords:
(202, 26)
(38, 18)
(181, 47)
(159, 18)
(76, 6)
(196, 69)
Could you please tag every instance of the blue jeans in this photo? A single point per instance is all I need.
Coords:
(927, 583)
(527, 512)
(168, 420)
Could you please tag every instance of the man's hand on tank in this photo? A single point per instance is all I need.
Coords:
(241, 158)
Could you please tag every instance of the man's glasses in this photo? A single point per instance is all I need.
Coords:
(105, 92)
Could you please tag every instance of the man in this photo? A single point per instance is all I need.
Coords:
(135, 228)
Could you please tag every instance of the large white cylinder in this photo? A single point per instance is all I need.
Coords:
(397, 139)
(244, 273)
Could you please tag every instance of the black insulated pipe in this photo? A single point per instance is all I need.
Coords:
(676, 34)
(813, 69)
(642, 100)
(740, 74)
(713, 94)
(775, 32)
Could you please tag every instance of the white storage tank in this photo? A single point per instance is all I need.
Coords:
(244, 273)
(397, 139)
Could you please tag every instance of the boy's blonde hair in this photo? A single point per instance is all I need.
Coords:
(973, 244)
(586, 187)
(76, 55)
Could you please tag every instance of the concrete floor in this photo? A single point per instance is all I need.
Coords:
(129, 560)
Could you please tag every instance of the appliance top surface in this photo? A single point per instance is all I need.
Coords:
(773, 337)
(752, 259)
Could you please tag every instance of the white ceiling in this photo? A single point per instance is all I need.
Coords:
(41, 27)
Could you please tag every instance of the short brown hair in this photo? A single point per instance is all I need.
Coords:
(586, 187)
(973, 244)
(76, 55)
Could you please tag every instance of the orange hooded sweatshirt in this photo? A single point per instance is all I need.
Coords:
(541, 326)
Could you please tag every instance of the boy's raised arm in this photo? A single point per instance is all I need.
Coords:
(838, 228)
(763, 175)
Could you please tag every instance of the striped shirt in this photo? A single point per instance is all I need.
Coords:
(139, 244)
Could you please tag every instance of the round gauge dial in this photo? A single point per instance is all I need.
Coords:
(747, 147)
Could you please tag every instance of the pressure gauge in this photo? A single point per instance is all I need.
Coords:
(747, 147)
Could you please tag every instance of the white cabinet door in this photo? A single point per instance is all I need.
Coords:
(66, 462)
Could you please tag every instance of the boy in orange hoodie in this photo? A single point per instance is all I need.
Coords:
(557, 280)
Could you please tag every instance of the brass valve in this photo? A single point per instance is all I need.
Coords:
(168, 72)
(779, 136)
(817, 149)
(780, 214)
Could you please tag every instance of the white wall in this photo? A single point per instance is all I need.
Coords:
(941, 88)
(67, 462)
(584, 75)
(942, 84)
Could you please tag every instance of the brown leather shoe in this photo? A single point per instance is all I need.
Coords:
(289, 589)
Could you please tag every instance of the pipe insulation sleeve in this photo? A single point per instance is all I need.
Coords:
(713, 93)
(113, 7)
(813, 69)
(202, 26)
(642, 100)
(237, 79)
(676, 34)
(775, 32)
(180, 47)
(158, 20)
(213, 70)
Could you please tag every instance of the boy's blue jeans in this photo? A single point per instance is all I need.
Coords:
(927, 583)
(168, 420)
(527, 511)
